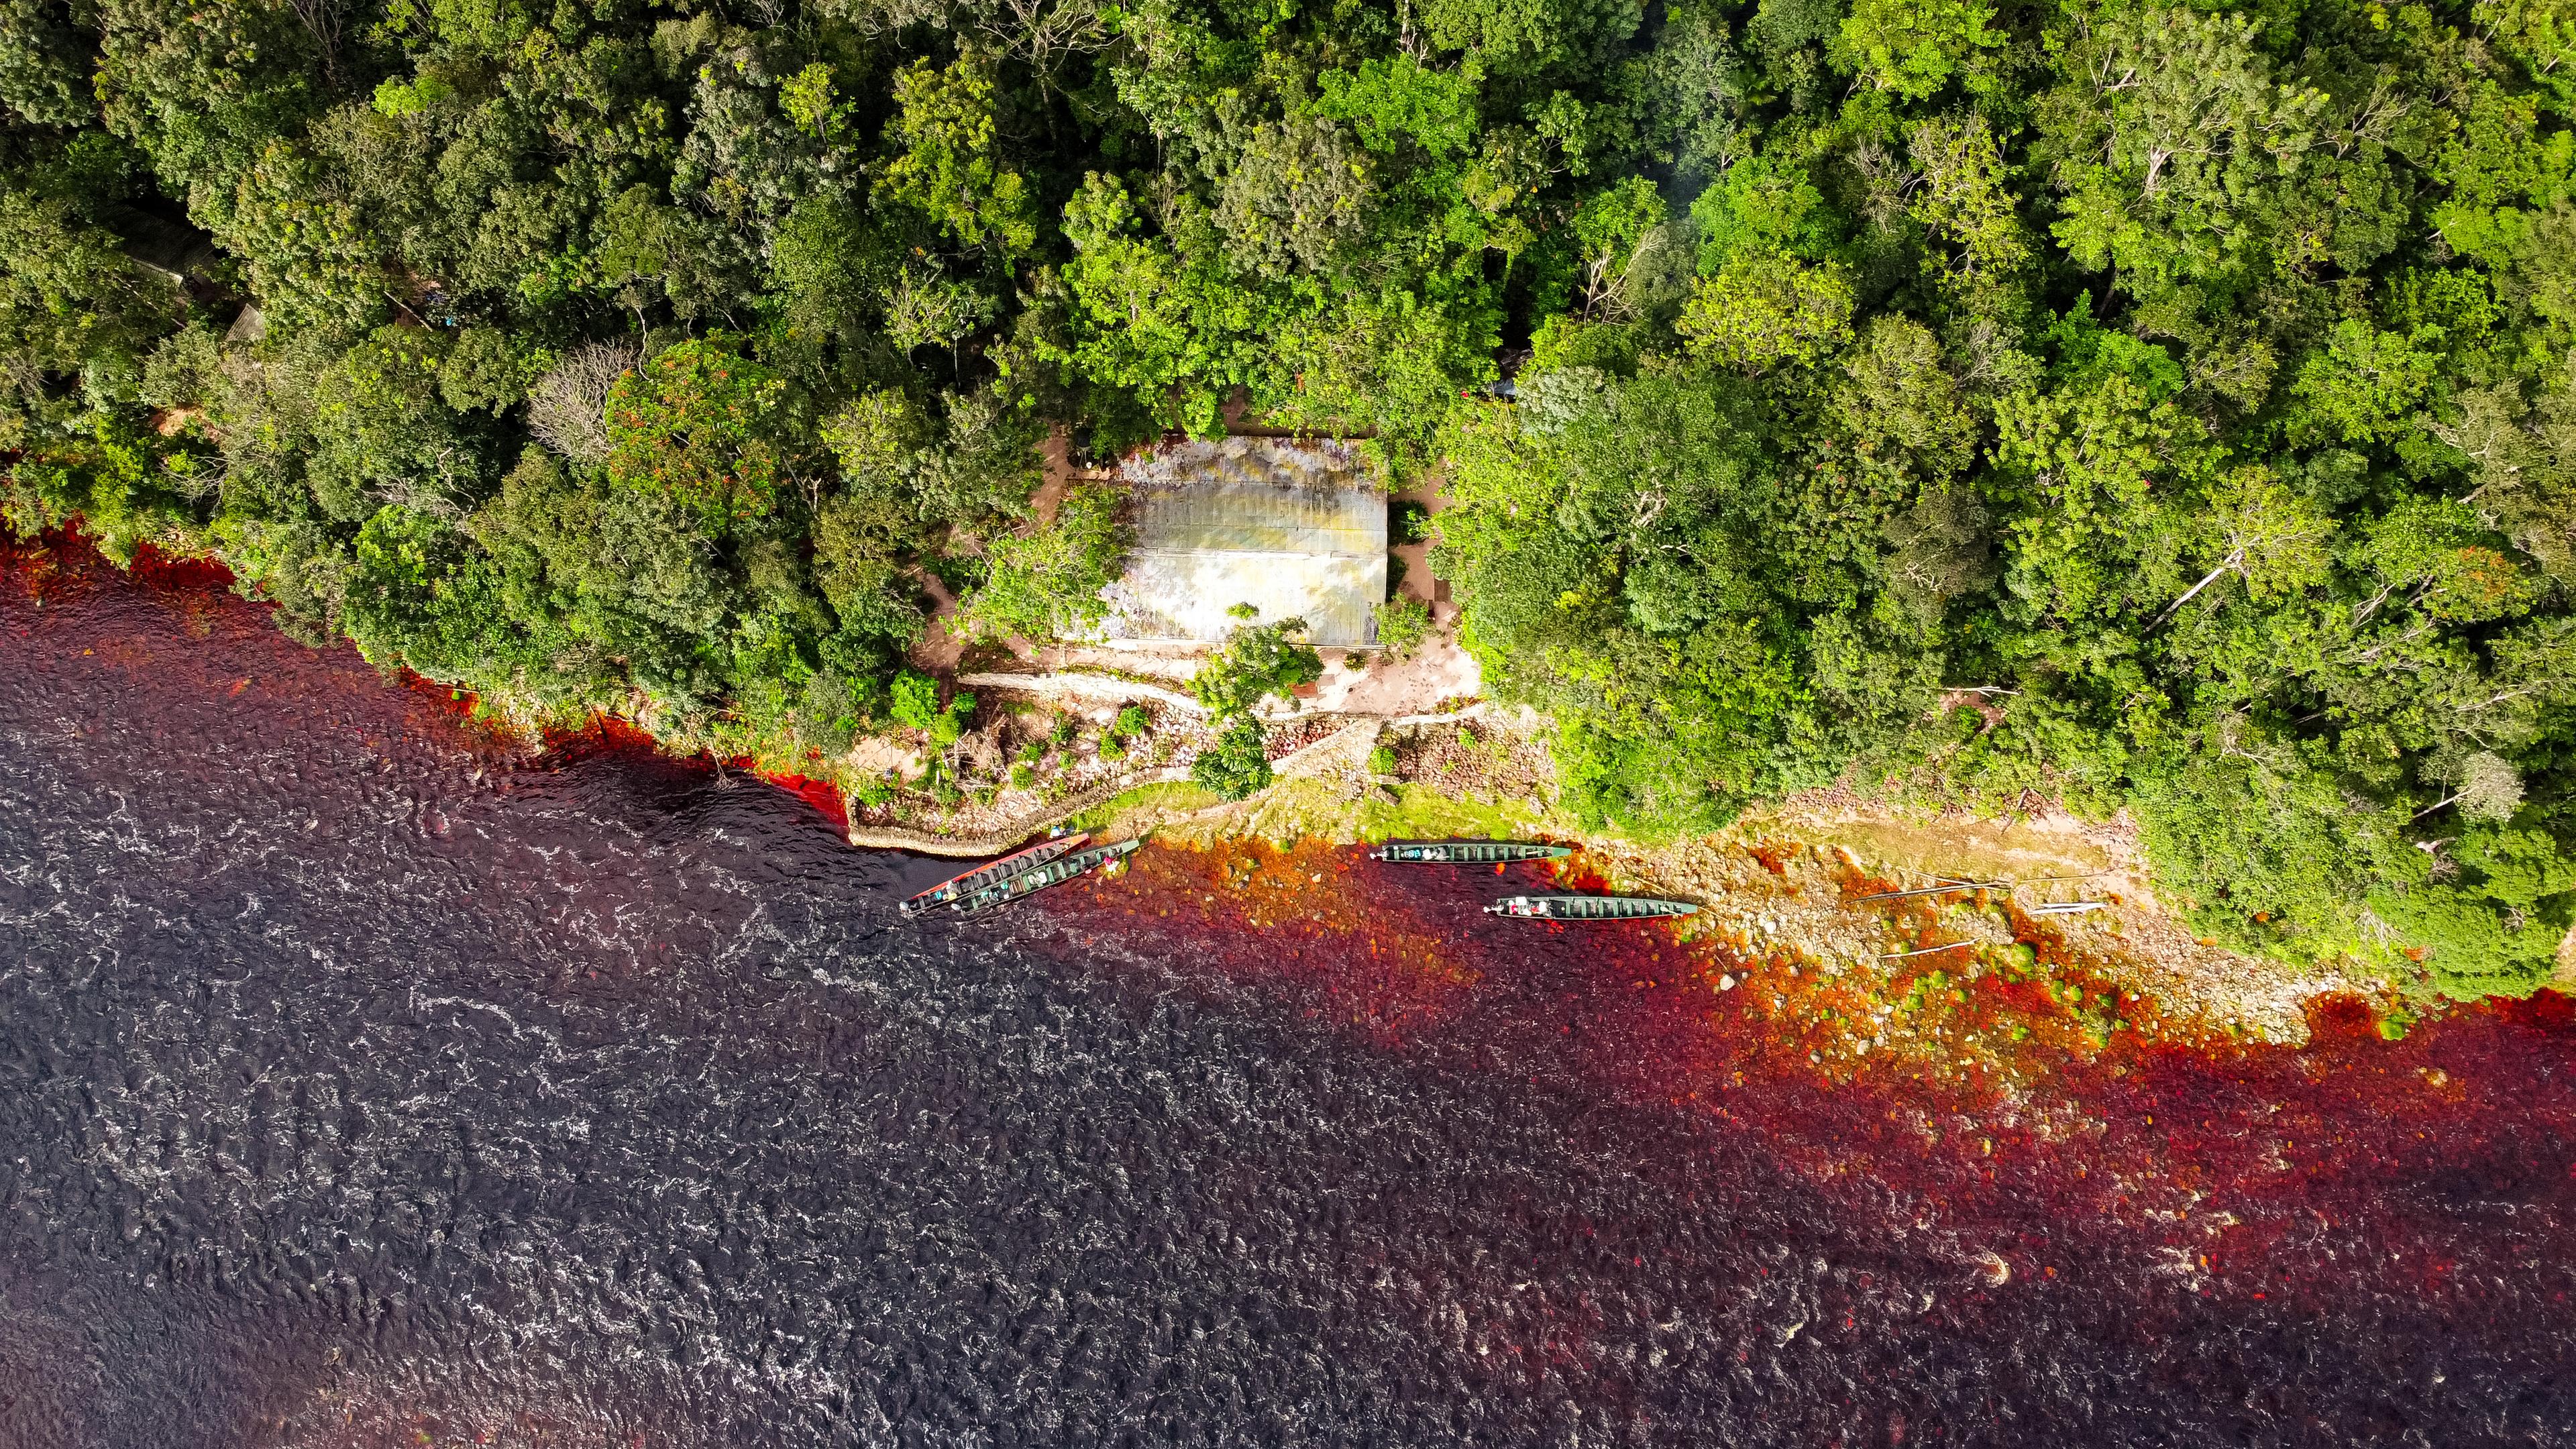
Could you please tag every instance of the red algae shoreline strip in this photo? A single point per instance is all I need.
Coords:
(1982, 1019)
(2220, 1157)
(2246, 1170)
(195, 575)
(1787, 921)
(1954, 985)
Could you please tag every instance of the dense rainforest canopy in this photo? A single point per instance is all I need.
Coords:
(2156, 406)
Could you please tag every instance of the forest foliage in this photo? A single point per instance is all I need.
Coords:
(2160, 407)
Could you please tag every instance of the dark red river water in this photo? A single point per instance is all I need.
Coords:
(366, 1082)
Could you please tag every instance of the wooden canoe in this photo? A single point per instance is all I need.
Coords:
(1029, 882)
(992, 872)
(1589, 908)
(1466, 852)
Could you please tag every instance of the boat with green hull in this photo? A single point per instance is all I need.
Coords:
(1029, 882)
(1589, 908)
(992, 872)
(1467, 852)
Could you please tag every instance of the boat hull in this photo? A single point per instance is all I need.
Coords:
(1029, 882)
(1467, 852)
(1590, 908)
(992, 872)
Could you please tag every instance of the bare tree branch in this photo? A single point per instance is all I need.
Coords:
(322, 20)
(2225, 565)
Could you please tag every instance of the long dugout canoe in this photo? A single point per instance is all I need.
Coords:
(1589, 908)
(1467, 852)
(1029, 882)
(992, 873)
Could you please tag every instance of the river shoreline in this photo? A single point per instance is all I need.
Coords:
(1785, 887)
(369, 1070)
(1780, 885)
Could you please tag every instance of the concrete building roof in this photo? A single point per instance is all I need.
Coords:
(1294, 529)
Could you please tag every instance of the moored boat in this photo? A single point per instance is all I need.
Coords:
(993, 872)
(1466, 852)
(1589, 908)
(1029, 882)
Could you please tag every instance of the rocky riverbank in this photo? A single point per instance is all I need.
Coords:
(2065, 907)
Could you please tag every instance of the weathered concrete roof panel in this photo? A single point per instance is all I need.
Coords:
(1255, 518)
(1184, 594)
(1292, 529)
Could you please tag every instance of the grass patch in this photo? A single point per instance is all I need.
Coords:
(1420, 812)
(1144, 805)
(1295, 810)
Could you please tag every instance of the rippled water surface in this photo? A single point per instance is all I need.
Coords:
(364, 1083)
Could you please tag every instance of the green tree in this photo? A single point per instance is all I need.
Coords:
(1046, 583)
(2172, 117)
(71, 303)
(1237, 764)
(1402, 624)
(1762, 312)
(708, 428)
(947, 163)
(1912, 48)
(1257, 662)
